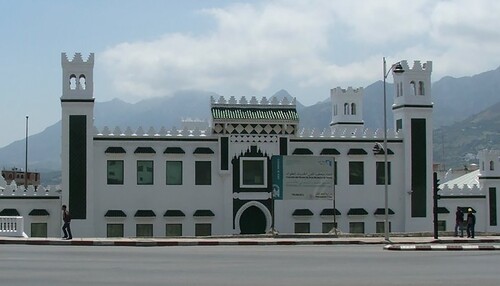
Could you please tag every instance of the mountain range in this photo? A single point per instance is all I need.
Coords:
(466, 120)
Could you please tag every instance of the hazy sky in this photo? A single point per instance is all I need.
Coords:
(153, 48)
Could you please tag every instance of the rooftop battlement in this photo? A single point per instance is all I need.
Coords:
(337, 133)
(243, 102)
(350, 91)
(77, 59)
(488, 154)
(417, 66)
(464, 190)
(13, 190)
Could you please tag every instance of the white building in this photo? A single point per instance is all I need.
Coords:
(122, 182)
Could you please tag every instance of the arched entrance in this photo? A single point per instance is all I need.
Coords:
(253, 221)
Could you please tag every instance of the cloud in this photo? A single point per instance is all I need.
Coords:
(254, 47)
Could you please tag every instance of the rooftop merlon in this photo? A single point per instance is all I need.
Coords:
(350, 91)
(77, 59)
(264, 102)
(417, 66)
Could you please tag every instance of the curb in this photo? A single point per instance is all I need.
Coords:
(406, 245)
(151, 243)
(441, 247)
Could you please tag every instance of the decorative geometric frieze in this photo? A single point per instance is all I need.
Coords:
(268, 128)
(253, 139)
(277, 129)
(218, 128)
(258, 129)
(230, 128)
(249, 129)
(239, 128)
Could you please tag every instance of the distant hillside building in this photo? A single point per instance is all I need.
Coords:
(21, 177)
(120, 182)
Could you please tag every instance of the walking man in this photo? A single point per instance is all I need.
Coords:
(66, 226)
(459, 220)
(471, 221)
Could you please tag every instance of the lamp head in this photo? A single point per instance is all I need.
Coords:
(397, 68)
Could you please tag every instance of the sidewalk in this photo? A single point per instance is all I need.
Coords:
(402, 243)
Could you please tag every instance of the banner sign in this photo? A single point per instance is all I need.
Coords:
(302, 177)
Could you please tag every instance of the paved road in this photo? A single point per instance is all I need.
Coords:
(243, 265)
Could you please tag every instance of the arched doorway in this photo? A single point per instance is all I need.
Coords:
(253, 221)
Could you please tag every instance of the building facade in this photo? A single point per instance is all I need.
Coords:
(218, 181)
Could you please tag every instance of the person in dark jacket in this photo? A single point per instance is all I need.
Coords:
(459, 220)
(471, 222)
(66, 226)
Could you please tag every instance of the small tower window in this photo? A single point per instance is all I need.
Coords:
(421, 89)
(353, 108)
(346, 108)
(413, 88)
(400, 89)
(72, 82)
(82, 82)
(335, 110)
(492, 166)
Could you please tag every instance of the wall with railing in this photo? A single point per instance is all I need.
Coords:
(33, 212)
(12, 226)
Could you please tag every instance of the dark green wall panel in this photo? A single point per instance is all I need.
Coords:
(283, 146)
(78, 166)
(418, 167)
(224, 153)
(493, 206)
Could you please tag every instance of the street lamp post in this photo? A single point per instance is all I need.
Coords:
(397, 68)
(26, 157)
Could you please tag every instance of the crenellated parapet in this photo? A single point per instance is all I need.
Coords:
(14, 191)
(77, 59)
(350, 133)
(494, 154)
(253, 102)
(338, 132)
(150, 132)
(464, 190)
(417, 66)
(349, 92)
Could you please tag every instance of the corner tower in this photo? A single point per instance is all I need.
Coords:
(489, 179)
(77, 102)
(413, 117)
(347, 108)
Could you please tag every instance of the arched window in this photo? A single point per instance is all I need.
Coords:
(346, 108)
(413, 88)
(72, 82)
(421, 89)
(353, 108)
(492, 166)
(82, 82)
